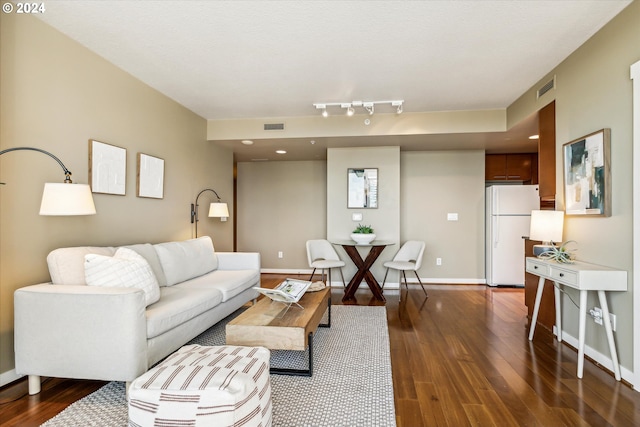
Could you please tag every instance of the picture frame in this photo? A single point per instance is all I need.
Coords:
(362, 188)
(150, 176)
(107, 168)
(587, 174)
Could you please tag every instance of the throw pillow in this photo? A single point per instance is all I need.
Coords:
(125, 269)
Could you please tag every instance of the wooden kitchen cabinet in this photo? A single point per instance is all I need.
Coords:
(510, 167)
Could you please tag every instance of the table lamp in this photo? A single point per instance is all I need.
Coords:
(546, 226)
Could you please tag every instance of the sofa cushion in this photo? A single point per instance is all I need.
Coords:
(188, 259)
(177, 305)
(66, 265)
(149, 253)
(229, 282)
(125, 269)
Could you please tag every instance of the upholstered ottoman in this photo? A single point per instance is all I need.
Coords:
(204, 386)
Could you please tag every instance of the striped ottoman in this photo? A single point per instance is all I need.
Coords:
(204, 386)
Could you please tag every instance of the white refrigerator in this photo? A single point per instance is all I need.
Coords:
(508, 215)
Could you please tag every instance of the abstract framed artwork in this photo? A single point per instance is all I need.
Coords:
(587, 174)
(107, 168)
(150, 176)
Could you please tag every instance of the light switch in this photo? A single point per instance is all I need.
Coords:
(452, 217)
(356, 217)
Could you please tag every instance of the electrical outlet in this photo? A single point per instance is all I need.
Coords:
(438, 261)
(280, 254)
(596, 314)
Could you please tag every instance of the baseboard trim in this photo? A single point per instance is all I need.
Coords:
(285, 271)
(603, 360)
(9, 377)
(390, 285)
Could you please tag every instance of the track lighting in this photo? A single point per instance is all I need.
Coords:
(369, 106)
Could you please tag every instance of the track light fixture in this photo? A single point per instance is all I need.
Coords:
(368, 106)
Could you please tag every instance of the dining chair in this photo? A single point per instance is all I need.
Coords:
(322, 255)
(409, 257)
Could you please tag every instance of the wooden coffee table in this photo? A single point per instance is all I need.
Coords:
(276, 326)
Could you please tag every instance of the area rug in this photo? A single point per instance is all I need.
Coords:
(351, 383)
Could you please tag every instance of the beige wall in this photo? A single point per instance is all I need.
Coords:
(433, 184)
(385, 220)
(418, 189)
(281, 205)
(56, 95)
(594, 91)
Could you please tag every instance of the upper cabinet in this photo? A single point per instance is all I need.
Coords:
(511, 167)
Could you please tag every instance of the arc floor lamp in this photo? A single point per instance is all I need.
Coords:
(62, 199)
(217, 209)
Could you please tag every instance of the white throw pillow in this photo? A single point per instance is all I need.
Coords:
(125, 269)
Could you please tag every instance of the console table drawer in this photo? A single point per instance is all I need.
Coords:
(534, 267)
(564, 276)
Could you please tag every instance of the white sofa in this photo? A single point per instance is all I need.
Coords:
(89, 325)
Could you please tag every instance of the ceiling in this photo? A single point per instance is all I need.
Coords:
(267, 59)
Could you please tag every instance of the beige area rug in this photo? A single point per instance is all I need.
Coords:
(351, 383)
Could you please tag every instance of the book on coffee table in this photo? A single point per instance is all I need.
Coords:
(289, 291)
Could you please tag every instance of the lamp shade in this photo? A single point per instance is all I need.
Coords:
(546, 226)
(67, 199)
(218, 210)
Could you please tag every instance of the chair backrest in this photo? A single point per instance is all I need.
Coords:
(412, 250)
(320, 249)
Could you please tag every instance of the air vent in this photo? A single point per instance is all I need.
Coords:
(274, 126)
(551, 84)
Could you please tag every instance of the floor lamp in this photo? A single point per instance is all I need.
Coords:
(62, 199)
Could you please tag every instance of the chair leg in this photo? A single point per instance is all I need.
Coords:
(329, 283)
(385, 278)
(419, 281)
(406, 284)
(312, 273)
(344, 284)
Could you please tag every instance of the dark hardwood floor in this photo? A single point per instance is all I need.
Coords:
(459, 358)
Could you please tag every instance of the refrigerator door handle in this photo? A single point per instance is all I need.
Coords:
(496, 230)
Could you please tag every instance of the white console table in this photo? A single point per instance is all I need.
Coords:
(583, 277)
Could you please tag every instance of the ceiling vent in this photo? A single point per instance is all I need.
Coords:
(550, 85)
(274, 126)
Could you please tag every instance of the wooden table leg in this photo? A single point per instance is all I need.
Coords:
(363, 272)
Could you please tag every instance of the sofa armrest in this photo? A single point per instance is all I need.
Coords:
(83, 332)
(238, 260)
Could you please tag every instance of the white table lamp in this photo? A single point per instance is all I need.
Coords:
(546, 226)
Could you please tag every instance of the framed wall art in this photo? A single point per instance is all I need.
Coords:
(587, 174)
(150, 176)
(107, 168)
(362, 188)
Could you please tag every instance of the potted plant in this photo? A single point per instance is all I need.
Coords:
(363, 234)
